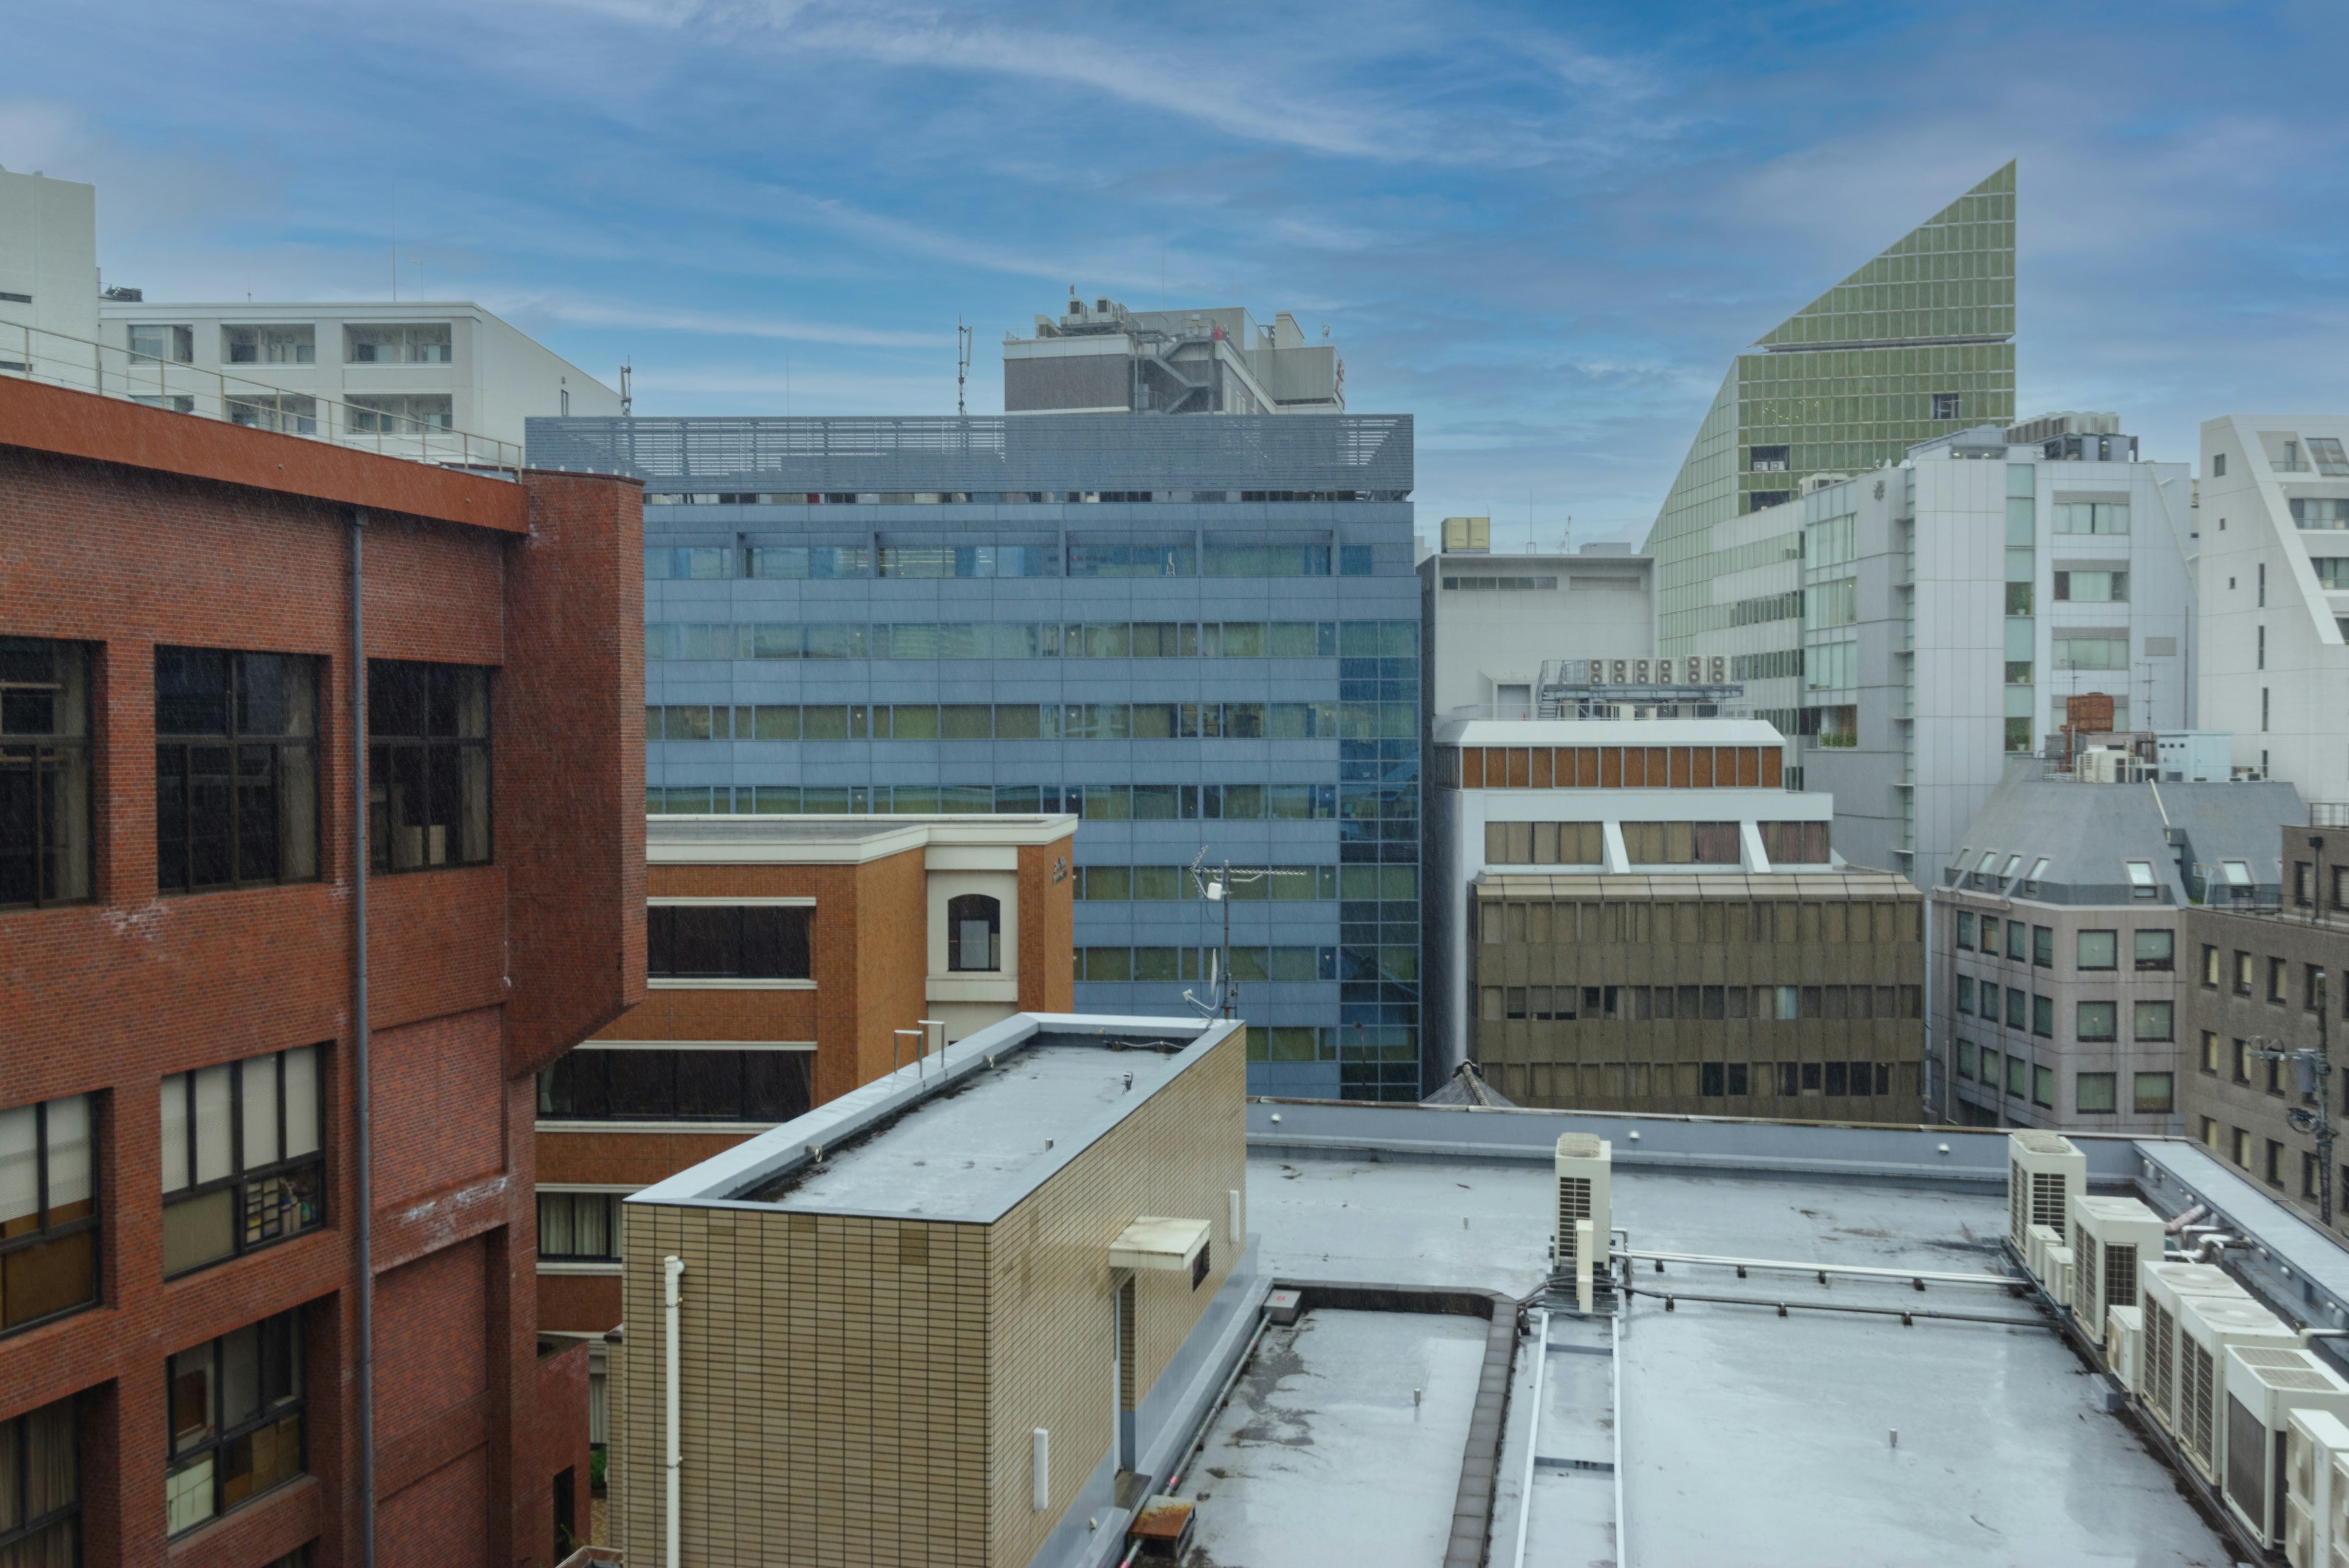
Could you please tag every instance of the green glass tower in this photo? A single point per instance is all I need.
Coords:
(1917, 343)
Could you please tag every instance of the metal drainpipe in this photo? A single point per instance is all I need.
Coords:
(363, 1202)
(672, 1457)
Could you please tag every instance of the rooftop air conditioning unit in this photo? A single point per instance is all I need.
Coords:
(2125, 1347)
(2316, 1488)
(2044, 1175)
(2042, 1239)
(2109, 1235)
(2208, 1327)
(2058, 1278)
(2266, 1388)
(1579, 1242)
(2165, 1288)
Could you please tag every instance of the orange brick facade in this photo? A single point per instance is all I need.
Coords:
(870, 958)
(125, 528)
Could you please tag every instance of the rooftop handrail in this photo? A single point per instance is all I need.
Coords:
(116, 370)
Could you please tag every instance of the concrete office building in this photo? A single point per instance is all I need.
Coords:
(1202, 636)
(2269, 970)
(1918, 627)
(2061, 948)
(1490, 622)
(2275, 594)
(184, 842)
(951, 1316)
(48, 273)
(787, 960)
(1918, 341)
(1102, 358)
(1635, 914)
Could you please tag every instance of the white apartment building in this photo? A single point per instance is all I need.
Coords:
(1917, 627)
(377, 370)
(1490, 622)
(2275, 595)
(49, 269)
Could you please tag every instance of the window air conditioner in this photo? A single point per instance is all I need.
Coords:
(2208, 1327)
(2165, 1288)
(2045, 1175)
(2109, 1235)
(1585, 1211)
(2125, 1347)
(2266, 1387)
(2316, 1488)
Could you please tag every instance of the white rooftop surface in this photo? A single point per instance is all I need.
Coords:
(961, 1155)
(1323, 1456)
(1747, 1436)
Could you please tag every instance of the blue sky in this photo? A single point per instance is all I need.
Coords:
(1543, 230)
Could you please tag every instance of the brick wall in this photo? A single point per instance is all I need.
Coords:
(245, 547)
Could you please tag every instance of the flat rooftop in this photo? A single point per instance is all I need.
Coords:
(1744, 1435)
(960, 1136)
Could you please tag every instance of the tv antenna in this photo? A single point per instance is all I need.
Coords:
(962, 364)
(1215, 884)
(627, 393)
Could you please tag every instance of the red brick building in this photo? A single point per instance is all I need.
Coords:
(785, 955)
(180, 860)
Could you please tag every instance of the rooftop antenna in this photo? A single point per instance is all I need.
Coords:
(627, 392)
(962, 364)
(395, 241)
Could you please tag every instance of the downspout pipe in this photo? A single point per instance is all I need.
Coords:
(363, 1185)
(672, 1454)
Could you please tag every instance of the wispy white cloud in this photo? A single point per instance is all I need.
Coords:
(649, 316)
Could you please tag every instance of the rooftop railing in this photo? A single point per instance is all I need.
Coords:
(161, 381)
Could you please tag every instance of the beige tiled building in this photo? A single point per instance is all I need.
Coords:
(937, 1319)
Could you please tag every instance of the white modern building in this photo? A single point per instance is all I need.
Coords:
(1099, 358)
(1915, 627)
(2275, 595)
(49, 269)
(377, 370)
(1490, 622)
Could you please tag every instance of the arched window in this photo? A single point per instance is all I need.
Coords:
(974, 933)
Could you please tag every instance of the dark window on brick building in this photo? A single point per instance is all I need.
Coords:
(579, 1227)
(45, 795)
(236, 1420)
(40, 1487)
(663, 1086)
(428, 765)
(242, 1165)
(236, 769)
(49, 1218)
(727, 942)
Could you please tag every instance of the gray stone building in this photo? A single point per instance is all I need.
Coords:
(2271, 972)
(2060, 950)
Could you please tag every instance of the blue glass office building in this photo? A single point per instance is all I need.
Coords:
(1201, 634)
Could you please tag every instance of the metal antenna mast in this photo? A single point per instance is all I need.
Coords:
(627, 393)
(962, 365)
(2313, 1077)
(1223, 991)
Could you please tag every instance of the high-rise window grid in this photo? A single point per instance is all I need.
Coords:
(46, 801)
(236, 769)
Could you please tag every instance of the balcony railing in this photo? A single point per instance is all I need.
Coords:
(110, 370)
